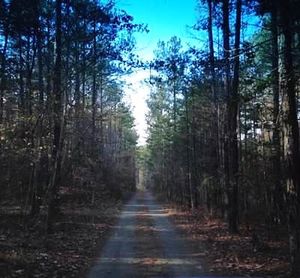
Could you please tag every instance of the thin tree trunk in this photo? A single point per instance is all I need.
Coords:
(233, 126)
(101, 114)
(40, 66)
(94, 85)
(35, 198)
(278, 188)
(3, 78)
(21, 81)
(58, 125)
(216, 109)
(226, 46)
(190, 183)
(77, 90)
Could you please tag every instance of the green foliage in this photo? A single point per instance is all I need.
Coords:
(98, 136)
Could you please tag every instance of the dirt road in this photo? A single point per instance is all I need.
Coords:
(146, 244)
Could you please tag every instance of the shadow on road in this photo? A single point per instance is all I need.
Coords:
(145, 244)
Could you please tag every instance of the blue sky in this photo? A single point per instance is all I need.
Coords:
(165, 18)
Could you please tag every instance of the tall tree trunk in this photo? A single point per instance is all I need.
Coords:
(216, 154)
(226, 54)
(101, 113)
(189, 179)
(21, 80)
(29, 69)
(83, 75)
(233, 119)
(40, 66)
(94, 85)
(211, 50)
(36, 142)
(77, 88)
(291, 136)
(58, 125)
(278, 188)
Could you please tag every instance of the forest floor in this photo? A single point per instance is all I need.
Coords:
(148, 240)
(78, 235)
(238, 255)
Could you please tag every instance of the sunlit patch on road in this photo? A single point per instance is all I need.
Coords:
(145, 244)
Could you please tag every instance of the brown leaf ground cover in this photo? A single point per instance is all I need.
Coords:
(25, 250)
(233, 254)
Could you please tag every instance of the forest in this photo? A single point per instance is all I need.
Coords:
(223, 128)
